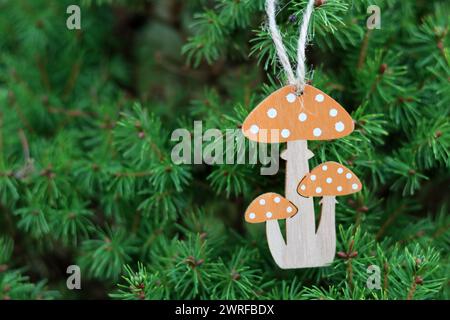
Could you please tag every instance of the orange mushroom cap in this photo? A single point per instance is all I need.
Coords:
(269, 206)
(285, 116)
(329, 179)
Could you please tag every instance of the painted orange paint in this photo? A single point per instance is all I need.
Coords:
(269, 206)
(283, 116)
(329, 179)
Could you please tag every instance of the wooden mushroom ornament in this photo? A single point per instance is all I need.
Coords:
(287, 116)
(328, 180)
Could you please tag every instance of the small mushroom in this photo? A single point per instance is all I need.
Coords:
(269, 206)
(329, 179)
(286, 116)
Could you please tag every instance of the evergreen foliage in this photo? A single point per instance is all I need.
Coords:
(86, 175)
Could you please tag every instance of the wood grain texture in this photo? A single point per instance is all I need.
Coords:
(299, 250)
(326, 233)
(303, 248)
(300, 230)
(275, 240)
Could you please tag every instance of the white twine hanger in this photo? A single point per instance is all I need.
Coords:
(294, 79)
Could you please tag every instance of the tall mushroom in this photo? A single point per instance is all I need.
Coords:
(286, 116)
(328, 180)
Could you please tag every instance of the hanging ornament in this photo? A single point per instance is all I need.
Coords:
(295, 114)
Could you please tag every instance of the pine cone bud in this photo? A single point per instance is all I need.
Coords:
(363, 209)
(199, 262)
(235, 275)
(318, 3)
(383, 68)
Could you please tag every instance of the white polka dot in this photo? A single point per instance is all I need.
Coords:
(269, 214)
(285, 133)
(262, 202)
(289, 209)
(291, 97)
(303, 187)
(324, 167)
(277, 199)
(329, 180)
(333, 113)
(318, 190)
(302, 117)
(339, 126)
(339, 188)
(317, 132)
(254, 129)
(252, 215)
(354, 186)
(320, 98)
(340, 170)
(348, 175)
(271, 113)
(313, 177)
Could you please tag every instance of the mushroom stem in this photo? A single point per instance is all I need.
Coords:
(326, 233)
(300, 229)
(300, 250)
(277, 246)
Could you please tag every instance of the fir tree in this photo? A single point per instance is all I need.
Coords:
(86, 175)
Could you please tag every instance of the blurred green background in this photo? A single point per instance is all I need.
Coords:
(86, 176)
